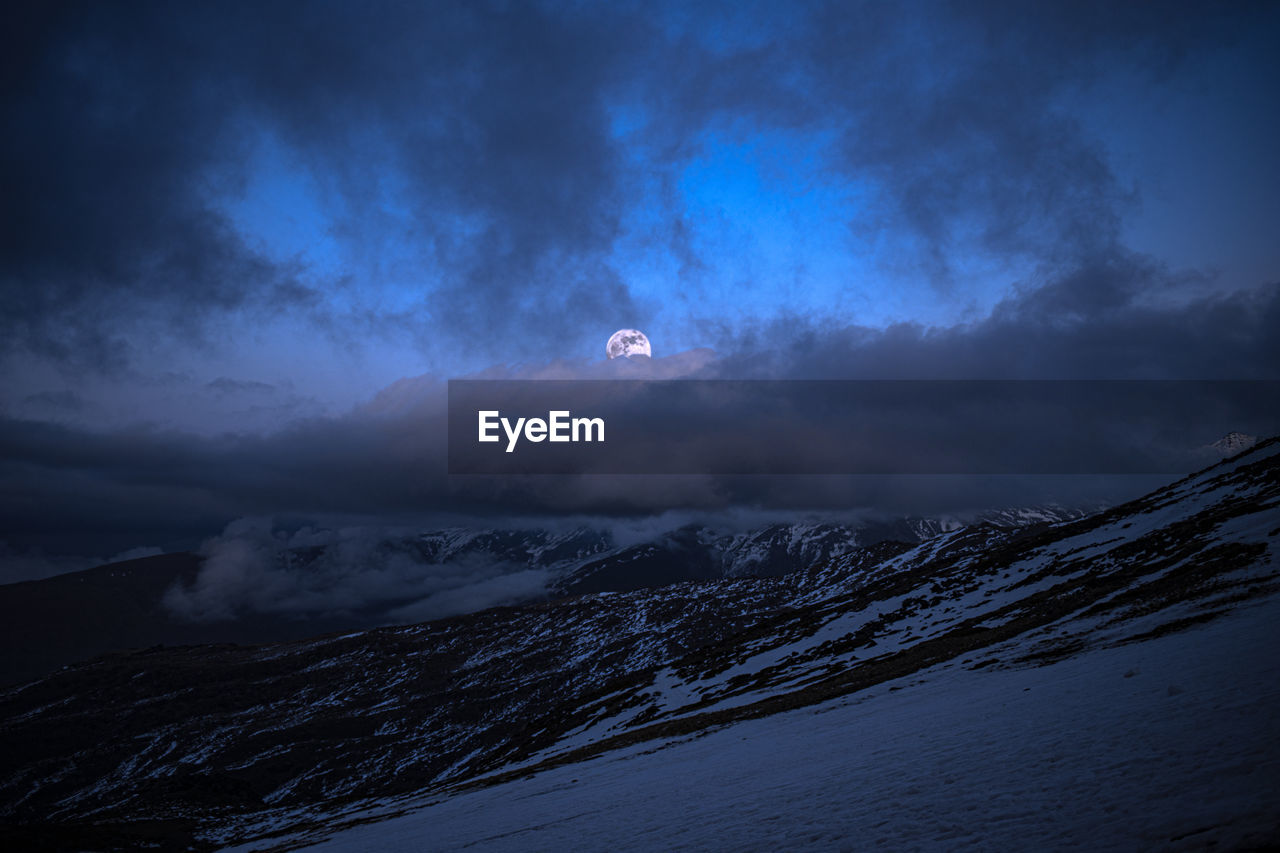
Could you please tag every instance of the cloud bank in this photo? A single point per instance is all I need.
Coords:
(104, 492)
(191, 191)
(373, 575)
(523, 165)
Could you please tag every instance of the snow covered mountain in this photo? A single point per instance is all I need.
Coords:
(584, 560)
(292, 743)
(68, 618)
(587, 560)
(1233, 443)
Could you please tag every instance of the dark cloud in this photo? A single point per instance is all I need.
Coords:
(954, 118)
(957, 110)
(1109, 317)
(73, 489)
(125, 125)
(110, 129)
(493, 125)
(227, 385)
(56, 401)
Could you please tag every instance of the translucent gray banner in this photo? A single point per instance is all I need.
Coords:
(734, 427)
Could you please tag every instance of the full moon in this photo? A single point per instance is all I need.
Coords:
(628, 342)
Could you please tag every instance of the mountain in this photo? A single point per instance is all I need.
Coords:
(60, 620)
(56, 621)
(528, 548)
(700, 552)
(290, 743)
(1233, 443)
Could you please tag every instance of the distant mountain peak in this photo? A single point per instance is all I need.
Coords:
(1233, 443)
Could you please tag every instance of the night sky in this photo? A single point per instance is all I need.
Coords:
(244, 244)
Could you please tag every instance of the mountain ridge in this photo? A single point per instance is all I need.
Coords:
(68, 618)
(256, 742)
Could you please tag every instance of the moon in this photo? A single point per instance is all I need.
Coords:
(628, 342)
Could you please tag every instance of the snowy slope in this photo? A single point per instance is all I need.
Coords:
(278, 744)
(1169, 744)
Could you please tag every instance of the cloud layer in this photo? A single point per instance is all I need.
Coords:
(497, 178)
(210, 211)
(107, 491)
(367, 574)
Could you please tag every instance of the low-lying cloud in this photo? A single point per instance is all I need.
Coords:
(375, 575)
